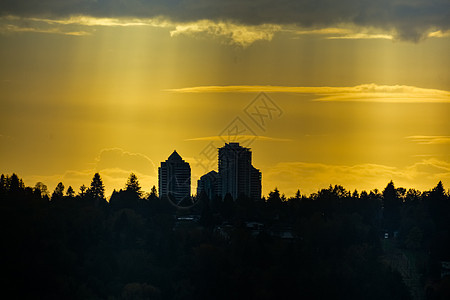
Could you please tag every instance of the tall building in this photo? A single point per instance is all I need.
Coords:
(174, 178)
(237, 176)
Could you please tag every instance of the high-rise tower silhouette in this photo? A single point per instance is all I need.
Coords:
(237, 176)
(174, 178)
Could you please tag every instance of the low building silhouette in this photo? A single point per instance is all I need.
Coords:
(209, 184)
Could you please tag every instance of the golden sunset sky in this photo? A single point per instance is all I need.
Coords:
(357, 92)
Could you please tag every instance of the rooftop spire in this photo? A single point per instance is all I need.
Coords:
(174, 156)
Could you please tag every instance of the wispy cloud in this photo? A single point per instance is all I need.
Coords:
(72, 25)
(360, 93)
(14, 28)
(117, 158)
(439, 34)
(241, 137)
(242, 35)
(346, 31)
(228, 32)
(362, 36)
(114, 22)
(351, 31)
(429, 139)
(85, 20)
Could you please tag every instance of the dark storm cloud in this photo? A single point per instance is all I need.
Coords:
(411, 19)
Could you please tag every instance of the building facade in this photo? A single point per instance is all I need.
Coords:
(209, 184)
(174, 178)
(237, 176)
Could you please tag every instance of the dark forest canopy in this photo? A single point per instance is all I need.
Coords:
(331, 244)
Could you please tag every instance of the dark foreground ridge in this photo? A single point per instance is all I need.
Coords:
(333, 244)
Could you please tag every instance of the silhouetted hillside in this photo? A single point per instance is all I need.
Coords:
(333, 244)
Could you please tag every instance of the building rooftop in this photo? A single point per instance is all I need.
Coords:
(175, 156)
(234, 145)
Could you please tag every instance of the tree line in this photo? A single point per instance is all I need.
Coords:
(134, 246)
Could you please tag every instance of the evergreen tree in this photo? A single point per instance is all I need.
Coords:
(391, 207)
(15, 184)
(58, 193)
(439, 190)
(274, 200)
(439, 206)
(133, 185)
(97, 190)
(153, 192)
(83, 189)
(70, 192)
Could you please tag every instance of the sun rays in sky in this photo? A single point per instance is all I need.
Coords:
(363, 90)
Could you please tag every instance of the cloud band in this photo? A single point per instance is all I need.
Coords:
(408, 20)
(359, 93)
